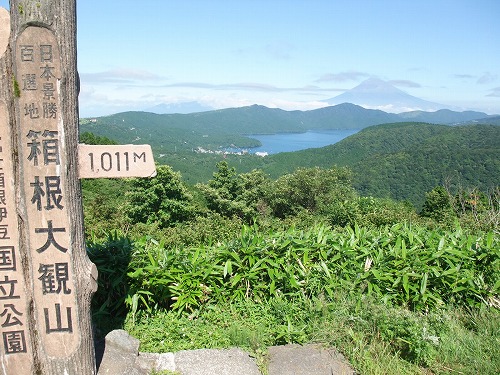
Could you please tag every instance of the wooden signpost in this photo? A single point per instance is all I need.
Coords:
(46, 278)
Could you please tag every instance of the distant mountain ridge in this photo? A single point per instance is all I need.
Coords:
(233, 127)
(493, 120)
(444, 116)
(372, 93)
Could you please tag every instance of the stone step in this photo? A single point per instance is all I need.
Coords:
(119, 355)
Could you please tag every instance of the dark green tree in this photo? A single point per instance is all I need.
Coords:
(163, 200)
(438, 205)
(311, 189)
(90, 138)
(231, 194)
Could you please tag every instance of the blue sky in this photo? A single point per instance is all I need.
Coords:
(289, 54)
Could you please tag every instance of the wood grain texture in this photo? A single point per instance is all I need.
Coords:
(59, 18)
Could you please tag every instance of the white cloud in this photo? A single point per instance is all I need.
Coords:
(495, 92)
(119, 75)
(291, 105)
(391, 108)
(464, 76)
(486, 78)
(97, 103)
(248, 86)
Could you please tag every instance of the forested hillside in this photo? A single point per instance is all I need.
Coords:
(404, 160)
(400, 161)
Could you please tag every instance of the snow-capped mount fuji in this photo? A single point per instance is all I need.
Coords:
(375, 93)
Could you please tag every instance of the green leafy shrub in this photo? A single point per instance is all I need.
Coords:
(163, 199)
(235, 195)
(408, 335)
(380, 212)
(438, 205)
(112, 258)
(103, 204)
(312, 189)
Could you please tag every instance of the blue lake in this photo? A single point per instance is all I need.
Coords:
(286, 142)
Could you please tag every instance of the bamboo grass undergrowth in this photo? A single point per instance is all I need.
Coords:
(397, 299)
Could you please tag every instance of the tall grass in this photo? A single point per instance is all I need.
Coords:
(398, 265)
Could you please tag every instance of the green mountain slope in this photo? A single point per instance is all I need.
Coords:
(443, 116)
(493, 120)
(404, 160)
(226, 127)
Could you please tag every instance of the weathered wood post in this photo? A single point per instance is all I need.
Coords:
(46, 278)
